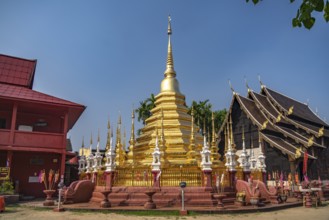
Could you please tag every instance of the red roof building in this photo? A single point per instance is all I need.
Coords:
(33, 125)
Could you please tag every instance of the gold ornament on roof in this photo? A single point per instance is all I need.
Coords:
(321, 131)
(278, 119)
(291, 110)
(298, 153)
(310, 141)
(264, 125)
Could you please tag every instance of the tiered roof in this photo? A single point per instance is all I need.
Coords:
(16, 82)
(283, 122)
(17, 71)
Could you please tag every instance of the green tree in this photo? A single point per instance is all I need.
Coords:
(203, 116)
(306, 9)
(202, 113)
(144, 109)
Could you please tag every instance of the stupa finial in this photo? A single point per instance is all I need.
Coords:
(213, 135)
(170, 72)
(132, 134)
(192, 125)
(108, 135)
(82, 146)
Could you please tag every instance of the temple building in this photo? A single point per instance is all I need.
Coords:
(33, 126)
(287, 131)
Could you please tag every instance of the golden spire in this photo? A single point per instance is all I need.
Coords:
(213, 141)
(192, 126)
(108, 141)
(191, 152)
(91, 144)
(124, 139)
(214, 149)
(118, 135)
(82, 146)
(243, 133)
(98, 138)
(132, 133)
(170, 83)
(170, 72)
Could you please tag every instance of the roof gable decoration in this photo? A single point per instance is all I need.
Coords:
(278, 119)
(296, 108)
(321, 132)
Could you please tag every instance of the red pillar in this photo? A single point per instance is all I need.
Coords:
(12, 135)
(109, 179)
(65, 128)
(232, 178)
(13, 124)
(94, 176)
(207, 180)
(156, 180)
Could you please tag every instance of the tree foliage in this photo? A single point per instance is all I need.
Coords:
(203, 116)
(306, 9)
(144, 109)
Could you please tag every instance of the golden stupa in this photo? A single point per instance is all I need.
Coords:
(171, 131)
(179, 143)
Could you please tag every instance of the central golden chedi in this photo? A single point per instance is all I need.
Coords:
(178, 140)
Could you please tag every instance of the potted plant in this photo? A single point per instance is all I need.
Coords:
(241, 198)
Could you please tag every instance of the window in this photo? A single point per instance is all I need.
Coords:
(2, 123)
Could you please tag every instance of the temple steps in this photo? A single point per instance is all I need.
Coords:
(164, 197)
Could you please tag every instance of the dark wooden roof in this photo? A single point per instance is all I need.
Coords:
(282, 145)
(300, 110)
(252, 112)
(281, 131)
(265, 106)
(265, 103)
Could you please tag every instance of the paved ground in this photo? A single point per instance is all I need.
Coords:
(26, 211)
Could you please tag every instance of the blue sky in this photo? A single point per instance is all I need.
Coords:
(109, 55)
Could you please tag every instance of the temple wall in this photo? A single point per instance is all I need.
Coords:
(275, 160)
